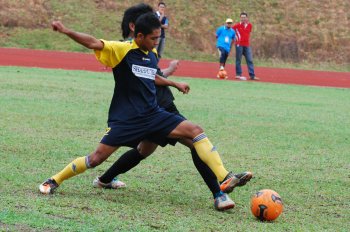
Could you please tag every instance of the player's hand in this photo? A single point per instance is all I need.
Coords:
(183, 87)
(173, 65)
(58, 26)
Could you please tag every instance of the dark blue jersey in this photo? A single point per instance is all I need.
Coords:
(134, 73)
(165, 97)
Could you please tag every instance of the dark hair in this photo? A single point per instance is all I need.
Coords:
(146, 24)
(244, 13)
(130, 16)
(161, 3)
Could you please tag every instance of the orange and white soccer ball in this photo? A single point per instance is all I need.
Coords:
(266, 205)
(222, 74)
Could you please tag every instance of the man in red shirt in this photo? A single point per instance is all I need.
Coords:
(243, 30)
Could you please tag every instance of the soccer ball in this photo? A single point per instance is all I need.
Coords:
(222, 74)
(266, 205)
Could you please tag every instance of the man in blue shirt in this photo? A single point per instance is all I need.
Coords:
(225, 36)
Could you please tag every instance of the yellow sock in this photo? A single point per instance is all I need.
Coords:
(76, 167)
(208, 153)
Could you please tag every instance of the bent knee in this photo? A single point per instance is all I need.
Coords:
(146, 148)
(96, 158)
(196, 130)
(145, 154)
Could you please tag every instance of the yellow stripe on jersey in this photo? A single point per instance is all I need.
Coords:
(113, 52)
(155, 51)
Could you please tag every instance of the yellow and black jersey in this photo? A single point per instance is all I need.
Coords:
(134, 73)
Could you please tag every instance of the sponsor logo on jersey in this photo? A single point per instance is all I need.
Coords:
(144, 72)
(107, 130)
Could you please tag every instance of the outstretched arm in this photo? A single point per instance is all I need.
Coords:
(183, 87)
(86, 40)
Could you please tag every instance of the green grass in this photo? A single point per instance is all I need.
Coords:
(294, 138)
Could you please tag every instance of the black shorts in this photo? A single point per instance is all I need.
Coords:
(154, 127)
(165, 141)
(161, 141)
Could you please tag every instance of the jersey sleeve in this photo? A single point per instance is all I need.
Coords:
(218, 32)
(154, 50)
(160, 73)
(112, 53)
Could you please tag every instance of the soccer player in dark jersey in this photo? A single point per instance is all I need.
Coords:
(165, 100)
(134, 114)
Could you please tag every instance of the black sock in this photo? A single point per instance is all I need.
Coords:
(126, 162)
(206, 173)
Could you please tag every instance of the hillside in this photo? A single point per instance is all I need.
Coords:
(299, 31)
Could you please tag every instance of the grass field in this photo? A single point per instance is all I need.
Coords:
(294, 138)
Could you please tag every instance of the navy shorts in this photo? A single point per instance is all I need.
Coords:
(154, 127)
(163, 141)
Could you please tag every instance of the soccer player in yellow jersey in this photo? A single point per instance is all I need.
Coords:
(165, 99)
(134, 114)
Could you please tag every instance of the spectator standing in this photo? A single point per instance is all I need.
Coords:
(243, 30)
(225, 37)
(164, 25)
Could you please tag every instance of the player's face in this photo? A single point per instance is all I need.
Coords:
(228, 25)
(149, 41)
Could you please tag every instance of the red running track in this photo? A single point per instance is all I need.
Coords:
(84, 61)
